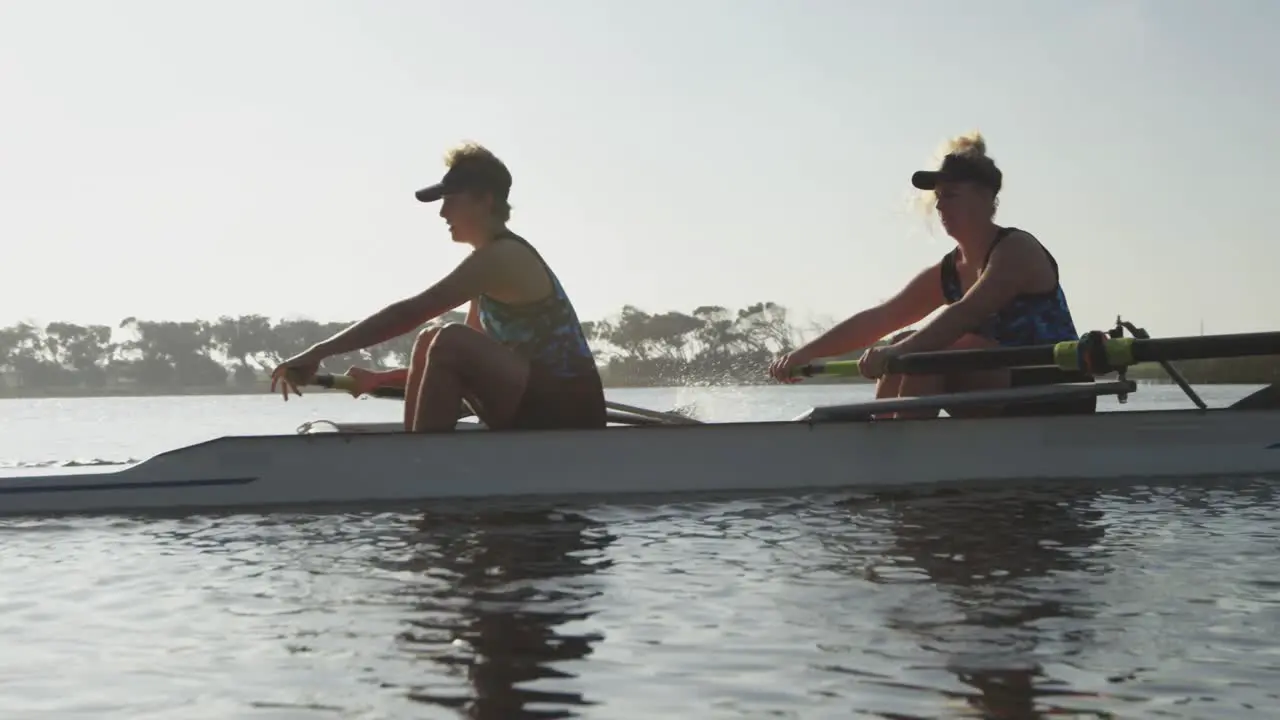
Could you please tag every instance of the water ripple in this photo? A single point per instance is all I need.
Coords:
(1150, 601)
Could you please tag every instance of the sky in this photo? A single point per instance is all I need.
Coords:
(188, 160)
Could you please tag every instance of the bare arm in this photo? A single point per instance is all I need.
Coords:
(473, 315)
(482, 271)
(1018, 265)
(920, 297)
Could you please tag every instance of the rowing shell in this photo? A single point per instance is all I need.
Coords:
(393, 468)
(827, 448)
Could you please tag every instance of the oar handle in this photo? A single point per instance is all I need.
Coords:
(832, 368)
(348, 383)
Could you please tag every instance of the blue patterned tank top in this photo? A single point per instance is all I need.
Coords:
(546, 332)
(1029, 319)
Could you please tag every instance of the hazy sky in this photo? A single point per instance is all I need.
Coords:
(175, 160)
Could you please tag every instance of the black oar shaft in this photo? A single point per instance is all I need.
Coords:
(1140, 349)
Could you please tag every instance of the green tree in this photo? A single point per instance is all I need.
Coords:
(170, 355)
(245, 340)
(83, 354)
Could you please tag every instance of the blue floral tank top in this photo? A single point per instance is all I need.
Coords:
(1029, 319)
(546, 332)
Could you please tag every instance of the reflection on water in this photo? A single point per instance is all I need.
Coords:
(1067, 602)
(993, 555)
(496, 626)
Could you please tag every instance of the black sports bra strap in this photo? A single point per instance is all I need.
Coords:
(1006, 231)
(999, 236)
(948, 277)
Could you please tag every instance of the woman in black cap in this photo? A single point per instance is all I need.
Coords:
(521, 359)
(1000, 287)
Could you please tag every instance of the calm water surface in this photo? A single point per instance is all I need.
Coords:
(1159, 600)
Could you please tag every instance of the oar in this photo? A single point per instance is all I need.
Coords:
(391, 392)
(1095, 354)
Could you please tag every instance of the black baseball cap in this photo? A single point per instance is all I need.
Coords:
(470, 176)
(961, 168)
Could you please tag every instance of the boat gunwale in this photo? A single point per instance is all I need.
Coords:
(347, 437)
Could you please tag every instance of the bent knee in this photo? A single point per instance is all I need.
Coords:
(427, 335)
(423, 342)
(442, 337)
(453, 341)
(447, 332)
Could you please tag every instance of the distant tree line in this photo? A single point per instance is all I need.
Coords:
(711, 345)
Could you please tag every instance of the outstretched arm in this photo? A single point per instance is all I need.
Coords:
(480, 272)
(1017, 266)
(920, 297)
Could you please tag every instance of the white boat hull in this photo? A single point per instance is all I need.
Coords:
(398, 469)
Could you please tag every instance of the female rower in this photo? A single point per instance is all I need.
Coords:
(521, 359)
(1000, 287)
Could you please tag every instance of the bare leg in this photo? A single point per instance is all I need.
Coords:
(925, 385)
(977, 380)
(439, 399)
(896, 386)
(888, 386)
(920, 386)
(462, 362)
(417, 365)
